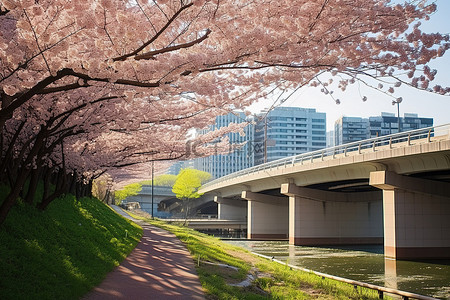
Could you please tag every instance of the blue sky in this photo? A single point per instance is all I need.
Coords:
(414, 101)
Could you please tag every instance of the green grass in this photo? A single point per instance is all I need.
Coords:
(275, 281)
(63, 252)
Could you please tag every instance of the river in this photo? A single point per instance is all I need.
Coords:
(362, 263)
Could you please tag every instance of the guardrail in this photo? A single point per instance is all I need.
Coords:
(402, 139)
(380, 289)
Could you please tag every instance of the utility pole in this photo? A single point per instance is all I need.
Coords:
(398, 101)
(152, 186)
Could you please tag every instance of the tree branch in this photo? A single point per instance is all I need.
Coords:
(118, 81)
(21, 98)
(3, 11)
(151, 54)
(63, 88)
(158, 34)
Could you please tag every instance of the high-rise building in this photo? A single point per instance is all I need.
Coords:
(330, 139)
(240, 157)
(176, 167)
(388, 123)
(287, 131)
(350, 129)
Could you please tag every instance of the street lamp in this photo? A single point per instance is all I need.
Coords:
(398, 101)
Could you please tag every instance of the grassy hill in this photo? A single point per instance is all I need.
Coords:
(63, 252)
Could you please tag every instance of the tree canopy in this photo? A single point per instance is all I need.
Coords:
(95, 86)
(188, 183)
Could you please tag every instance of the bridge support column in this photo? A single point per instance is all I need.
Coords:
(230, 209)
(331, 218)
(267, 216)
(416, 216)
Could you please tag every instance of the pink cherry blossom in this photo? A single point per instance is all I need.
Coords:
(94, 87)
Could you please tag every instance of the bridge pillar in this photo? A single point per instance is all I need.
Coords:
(230, 209)
(416, 216)
(267, 216)
(330, 218)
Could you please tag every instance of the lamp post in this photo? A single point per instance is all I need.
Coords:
(152, 186)
(398, 101)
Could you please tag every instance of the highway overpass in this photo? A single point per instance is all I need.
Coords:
(393, 189)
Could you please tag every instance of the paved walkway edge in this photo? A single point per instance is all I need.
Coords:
(160, 267)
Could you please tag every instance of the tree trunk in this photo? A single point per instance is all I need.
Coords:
(72, 185)
(89, 188)
(7, 156)
(34, 180)
(77, 190)
(60, 188)
(11, 199)
(106, 198)
(46, 182)
(186, 211)
(45, 202)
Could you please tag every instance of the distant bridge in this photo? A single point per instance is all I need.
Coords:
(166, 204)
(144, 198)
(393, 189)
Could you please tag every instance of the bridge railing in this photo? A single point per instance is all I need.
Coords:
(402, 139)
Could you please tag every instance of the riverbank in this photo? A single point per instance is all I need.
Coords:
(225, 271)
(361, 263)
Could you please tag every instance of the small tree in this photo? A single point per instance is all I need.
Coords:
(187, 185)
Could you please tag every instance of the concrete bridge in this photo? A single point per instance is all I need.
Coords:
(160, 194)
(166, 204)
(393, 189)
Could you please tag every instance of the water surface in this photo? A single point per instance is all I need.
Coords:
(364, 263)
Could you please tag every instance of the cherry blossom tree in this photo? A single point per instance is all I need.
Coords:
(89, 87)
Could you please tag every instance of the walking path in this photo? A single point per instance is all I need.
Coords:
(160, 267)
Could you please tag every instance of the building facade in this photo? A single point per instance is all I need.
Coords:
(241, 154)
(352, 129)
(388, 123)
(287, 131)
(330, 139)
(176, 167)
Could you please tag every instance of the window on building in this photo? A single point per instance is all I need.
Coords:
(318, 132)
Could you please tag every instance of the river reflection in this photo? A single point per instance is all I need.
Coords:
(363, 263)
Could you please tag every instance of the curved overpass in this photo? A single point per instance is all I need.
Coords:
(393, 188)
